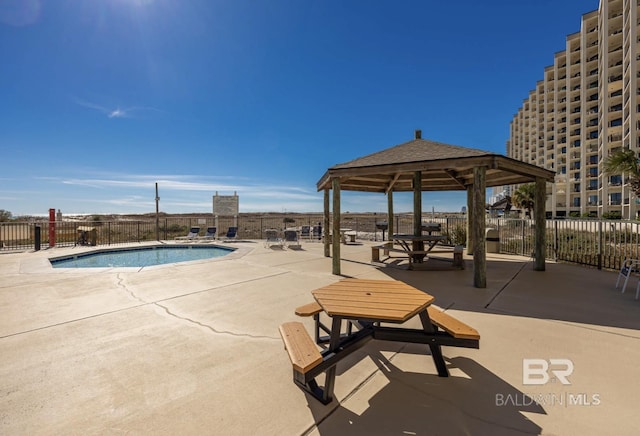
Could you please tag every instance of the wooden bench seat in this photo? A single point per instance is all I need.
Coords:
(451, 325)
(310, 309)
(314, 309)
(303, 352)
(386, 249)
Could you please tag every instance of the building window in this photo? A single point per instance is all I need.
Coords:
(576, 202)
(615, 199)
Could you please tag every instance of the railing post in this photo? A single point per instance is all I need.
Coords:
(446, 226)
(600, 242)
(109, 233)
(556, 244)
(523, 230)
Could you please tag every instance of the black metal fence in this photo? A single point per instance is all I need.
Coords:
(597, 243)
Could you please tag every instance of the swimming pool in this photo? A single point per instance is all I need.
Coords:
(139, 256)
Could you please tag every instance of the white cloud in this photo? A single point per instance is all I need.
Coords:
(135, 193)
(118, 112)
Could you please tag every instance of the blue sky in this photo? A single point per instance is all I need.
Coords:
(102, 99)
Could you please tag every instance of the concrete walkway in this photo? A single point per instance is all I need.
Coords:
(194, 349)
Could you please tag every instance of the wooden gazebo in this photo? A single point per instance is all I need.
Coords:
(423, 165)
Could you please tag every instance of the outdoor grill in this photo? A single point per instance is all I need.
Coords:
(431, 227)
(382, 226)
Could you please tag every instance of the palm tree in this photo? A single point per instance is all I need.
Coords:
(524, 197)
(625, 161)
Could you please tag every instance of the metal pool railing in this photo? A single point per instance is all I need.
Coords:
(596, 243)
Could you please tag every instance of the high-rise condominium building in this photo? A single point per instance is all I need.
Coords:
(584, 109)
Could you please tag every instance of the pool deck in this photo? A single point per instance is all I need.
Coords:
(194, 349)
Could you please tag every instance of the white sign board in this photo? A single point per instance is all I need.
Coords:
(226, 205)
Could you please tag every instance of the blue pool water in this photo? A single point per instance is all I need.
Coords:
(139, 257)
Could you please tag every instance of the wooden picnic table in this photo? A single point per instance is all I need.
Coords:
(417, 247)
(344, 233)
(365, 304)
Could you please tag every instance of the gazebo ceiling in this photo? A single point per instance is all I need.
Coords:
(443, 167)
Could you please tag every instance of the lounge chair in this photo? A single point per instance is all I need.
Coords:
(210, 235)
(305, 232)
(272, 238)
(193, 234)
(629, 266)
(232, 234)
(291, 238)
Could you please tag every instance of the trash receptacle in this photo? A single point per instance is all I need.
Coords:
(492, 237)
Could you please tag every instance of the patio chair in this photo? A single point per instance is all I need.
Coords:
(317, 232)
(272, 238)
(193, 234)
(305, 232)
(210, 235)
(232, 234)
(291, 238)
(629, 266)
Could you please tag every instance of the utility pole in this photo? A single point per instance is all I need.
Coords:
(157, 215)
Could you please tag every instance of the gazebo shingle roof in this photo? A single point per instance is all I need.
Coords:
(413, 151)
(443, 167)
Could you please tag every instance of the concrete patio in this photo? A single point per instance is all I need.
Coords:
(194, 349)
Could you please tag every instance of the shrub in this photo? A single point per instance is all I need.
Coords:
(458, 235)
(615, 215)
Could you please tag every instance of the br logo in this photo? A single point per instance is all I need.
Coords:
(536, 371)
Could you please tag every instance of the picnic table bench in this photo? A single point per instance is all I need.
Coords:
(366, 304)
(411, 254)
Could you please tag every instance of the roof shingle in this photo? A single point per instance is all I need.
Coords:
(417, 150)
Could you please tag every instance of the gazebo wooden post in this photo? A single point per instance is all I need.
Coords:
(470, 220)
(417, 215)
(417, 204)
(390, 213)
(336, 226)
(325, 225)
(479, 247)
(540, 224)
